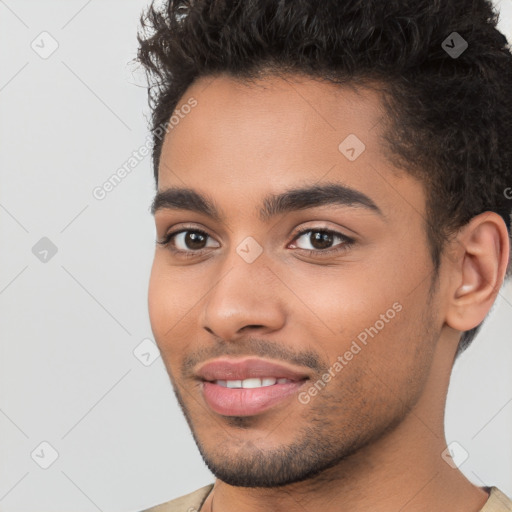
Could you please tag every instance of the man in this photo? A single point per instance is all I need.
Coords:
(333, 223)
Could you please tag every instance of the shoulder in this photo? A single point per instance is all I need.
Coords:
(188, 503)
(498, 502)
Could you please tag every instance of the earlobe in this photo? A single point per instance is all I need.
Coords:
(479, 271)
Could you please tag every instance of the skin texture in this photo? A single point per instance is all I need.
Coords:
(373, 437)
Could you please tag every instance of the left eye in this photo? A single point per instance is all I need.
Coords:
(322, 239)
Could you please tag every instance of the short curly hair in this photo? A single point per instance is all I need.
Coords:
(449, 116)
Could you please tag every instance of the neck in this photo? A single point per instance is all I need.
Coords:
(401, 471)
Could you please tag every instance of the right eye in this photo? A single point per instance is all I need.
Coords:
(191, 242)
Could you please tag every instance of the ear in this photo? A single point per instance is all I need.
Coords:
(482, 248)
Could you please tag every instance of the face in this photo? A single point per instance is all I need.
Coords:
(291, 304)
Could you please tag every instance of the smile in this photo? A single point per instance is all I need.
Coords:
(251, 383)
(248, 386)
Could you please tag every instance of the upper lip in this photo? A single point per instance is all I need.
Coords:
(240, 369)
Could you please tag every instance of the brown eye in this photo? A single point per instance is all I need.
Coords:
(186, 240)
(194, 239)
(321, 241)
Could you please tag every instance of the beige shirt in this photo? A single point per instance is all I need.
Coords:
(497, 502)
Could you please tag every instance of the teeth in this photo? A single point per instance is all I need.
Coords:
(251, 383)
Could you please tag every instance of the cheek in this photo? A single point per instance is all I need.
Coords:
(342, 300)
(157, 299)
(171, 304)
(166, 302)
(377, 309)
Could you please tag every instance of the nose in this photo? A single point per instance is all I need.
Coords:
(246, 296)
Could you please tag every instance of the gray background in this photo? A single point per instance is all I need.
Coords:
(71, 322)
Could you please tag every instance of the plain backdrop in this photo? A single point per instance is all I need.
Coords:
(78, 395)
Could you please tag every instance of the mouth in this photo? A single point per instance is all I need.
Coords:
(236, 387)
(251, 383)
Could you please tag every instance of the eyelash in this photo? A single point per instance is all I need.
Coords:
(347, 242)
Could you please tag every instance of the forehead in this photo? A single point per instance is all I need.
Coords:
(289, 113)
(259, 138)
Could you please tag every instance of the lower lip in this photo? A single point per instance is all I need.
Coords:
(246, 401)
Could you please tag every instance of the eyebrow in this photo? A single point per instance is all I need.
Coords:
(176, 198)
